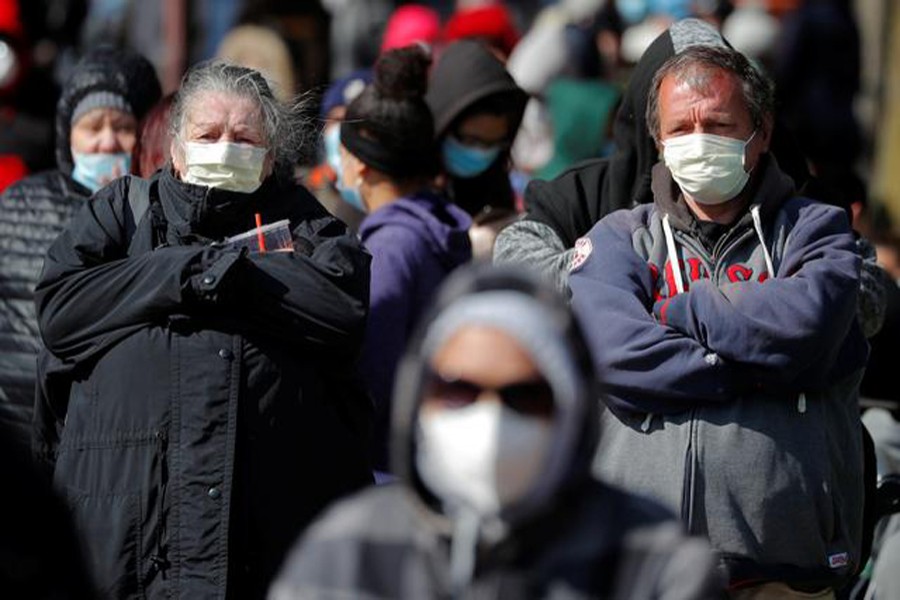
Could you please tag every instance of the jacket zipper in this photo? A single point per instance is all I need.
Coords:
(158, 561)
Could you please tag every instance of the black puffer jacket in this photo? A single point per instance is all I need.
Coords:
(35, 210)
(211, 413)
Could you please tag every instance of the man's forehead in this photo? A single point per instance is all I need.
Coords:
(717, 89)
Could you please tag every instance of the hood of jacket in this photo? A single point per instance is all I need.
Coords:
(104, 69)
(443, 225)
(460, 285)
(466, 73)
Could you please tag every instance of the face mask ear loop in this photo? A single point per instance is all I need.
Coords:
(673, 255)
(757, 225)
(747, 143)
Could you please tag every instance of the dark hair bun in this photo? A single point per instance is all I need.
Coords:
(402, 73)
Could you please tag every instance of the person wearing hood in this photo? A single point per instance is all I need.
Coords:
(209, 410)
(416, 237)
(477, 109)
(494, 431)
(108, 91)
(723, 316)
(562, 210)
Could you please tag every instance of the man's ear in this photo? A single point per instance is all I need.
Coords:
(766, 132)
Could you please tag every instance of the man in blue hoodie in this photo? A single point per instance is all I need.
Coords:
(723, 318)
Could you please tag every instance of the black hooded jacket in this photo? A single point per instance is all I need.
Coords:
(211, 411)
(586, 541)
(35, 210)
(466, 74)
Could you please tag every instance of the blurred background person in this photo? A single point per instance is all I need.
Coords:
(262, 49)
(416, 237)
(26, 135)
(322, 179)
(491, 23)
(151, 148)
(412, 24)
(477, 109)
(493, 436)
(96, 129)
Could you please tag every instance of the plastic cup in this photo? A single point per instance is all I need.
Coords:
(276, 238)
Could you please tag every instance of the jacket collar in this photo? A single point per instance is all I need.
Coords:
(213, 213)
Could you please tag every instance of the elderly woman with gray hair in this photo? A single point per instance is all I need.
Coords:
(207, 408)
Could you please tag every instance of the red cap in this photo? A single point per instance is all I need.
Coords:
(492, 23)
(10, 21)
(410, 24)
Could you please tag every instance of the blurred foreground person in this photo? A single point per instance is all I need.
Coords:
(40, 555)
(96, 128)
(151, 151)
(495, 428)
(388, 161)
(210, 414)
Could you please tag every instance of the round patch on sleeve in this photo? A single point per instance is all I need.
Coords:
(583, 249)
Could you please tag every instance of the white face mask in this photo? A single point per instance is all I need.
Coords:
(233, 167)
(483, 456)
(708, 168)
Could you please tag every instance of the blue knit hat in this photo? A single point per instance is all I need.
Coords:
(344, 90)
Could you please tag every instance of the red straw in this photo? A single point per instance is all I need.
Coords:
(261, 239)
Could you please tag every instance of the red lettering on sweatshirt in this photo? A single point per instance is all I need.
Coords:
(738, 273)
(670, 279)
(654, 282)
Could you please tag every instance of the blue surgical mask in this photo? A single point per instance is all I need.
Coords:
(332, 139)
(94, 170)
(350, 195)
(632, 11)
(467, 161)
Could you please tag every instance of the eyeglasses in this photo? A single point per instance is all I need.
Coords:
(532, 398)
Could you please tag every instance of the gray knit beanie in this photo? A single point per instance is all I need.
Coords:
(100, 99)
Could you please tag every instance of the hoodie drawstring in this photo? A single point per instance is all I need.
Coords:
(463, 549)
(672, 249)
(757, 225)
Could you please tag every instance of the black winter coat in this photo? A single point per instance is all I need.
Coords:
(32, 213)
(210, 414)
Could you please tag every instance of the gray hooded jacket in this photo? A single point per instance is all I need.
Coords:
(585, 540)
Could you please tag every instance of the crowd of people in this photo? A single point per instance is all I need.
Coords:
(573, 299)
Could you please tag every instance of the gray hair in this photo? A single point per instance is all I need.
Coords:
(695, 67)
(286, 129)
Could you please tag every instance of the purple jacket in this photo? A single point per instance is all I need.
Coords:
(415, 242)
